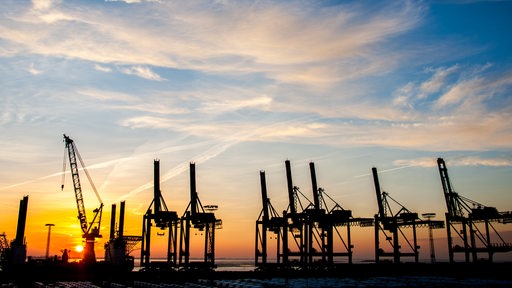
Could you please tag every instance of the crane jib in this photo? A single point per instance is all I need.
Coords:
(87, 229)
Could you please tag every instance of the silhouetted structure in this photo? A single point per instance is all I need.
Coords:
(465, 219)
(429, 216)
(268, 221)
(91, 230)
(165, 220)
(119, 246)
(394, 223)
(14, 254)
(297, 226)
(49, 225)
(307, 236)
(201, 218)
(328, 244)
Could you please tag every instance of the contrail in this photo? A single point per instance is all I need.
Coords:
(385, 171)
(95, 166)
(101, 165)
(149, 154)
(207, 155)
(359, 177)
(32, 181)
(182, 167)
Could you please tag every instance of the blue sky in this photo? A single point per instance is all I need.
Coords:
(241, 86)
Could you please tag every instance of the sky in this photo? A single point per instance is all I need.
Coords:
(238, 87)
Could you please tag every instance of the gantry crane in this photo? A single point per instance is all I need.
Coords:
(91, 230)
(394, 223)
(325, 223)
(296, 224)
(268, 221)
(203, 219)
(163, 219)
(465, 216)
(317, 230)
(309, 234)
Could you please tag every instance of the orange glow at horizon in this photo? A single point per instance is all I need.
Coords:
(235, 240)
(79, 248)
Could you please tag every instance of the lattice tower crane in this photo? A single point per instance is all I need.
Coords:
(91, 230)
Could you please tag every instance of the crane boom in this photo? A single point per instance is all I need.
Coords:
(70, 146)
(380, 203)
(291, 194)
(454, 205)
(91, 230)
(316, 195)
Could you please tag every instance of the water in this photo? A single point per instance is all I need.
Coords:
(301, 282)
(223, 264)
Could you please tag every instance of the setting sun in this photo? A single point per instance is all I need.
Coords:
(79, 248)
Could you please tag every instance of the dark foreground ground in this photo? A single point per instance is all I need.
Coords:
(356, 275)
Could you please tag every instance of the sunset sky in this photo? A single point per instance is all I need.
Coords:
(241, 86)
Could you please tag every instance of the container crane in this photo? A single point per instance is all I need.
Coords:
(159, 215)
(328, 222)
(465, 218)
(91, 230)
(395, 224)
(202, 218)
(297, 223)
(269, 221)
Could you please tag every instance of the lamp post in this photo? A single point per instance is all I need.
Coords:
(48, 240)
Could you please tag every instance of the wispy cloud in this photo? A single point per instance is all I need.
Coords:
(104, 95)
(411, 93)
(460, 109)
(297, 62)
(102, 68)
(418, 162)
(287, 43)
(233, 105)
(147, 122)
(457, 161)
(32, 70)
(477, 161)
(436, 82)
(143, 72)
(132, 1)
(467, 89)
(42, 4)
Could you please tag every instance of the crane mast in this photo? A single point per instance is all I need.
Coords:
(91, 231)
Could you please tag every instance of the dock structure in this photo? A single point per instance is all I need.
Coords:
(119, 246)
(470, 226)
(329, 228)
(392, 227)
(165, 220)
(269, 221)
(295, 254)
(308, 234)
(199, 217)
